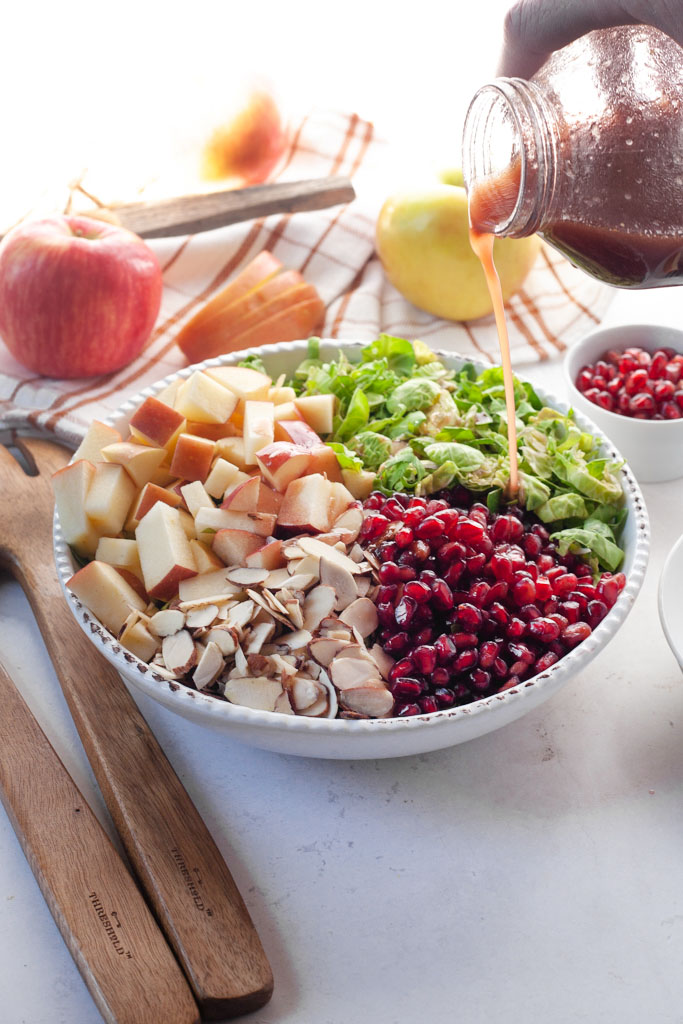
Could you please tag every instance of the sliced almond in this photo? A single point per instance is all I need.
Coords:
(260, 634)
(325, 649)
(260, 665)
(258, 693)
(247, 577)
(220, 600)
(241, 663)
(350, 522)
(291, 551)
(317, 709)
(332, 702)
(294, 612)
(305, 692)
(374, 701)
(300, 581)
(361, 615)
(314, 546)
(347, 673)
(318, 604)
(363, 585)
(167, 622)
(283, 705)
(308, 565)
(285, 666)
(241, 614)
(209, 666)
(276, 579)
(357, 650)
(179, 652)
(224, 638)
(267, 602)
(200, 617)
(297, 640)
(356, 554)
(340, 579)
(382, 660)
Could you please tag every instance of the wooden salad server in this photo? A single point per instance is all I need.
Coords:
(175, 859)
(122, 955)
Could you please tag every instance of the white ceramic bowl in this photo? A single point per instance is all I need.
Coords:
(372, 738)
(670, 599)
(652, 448)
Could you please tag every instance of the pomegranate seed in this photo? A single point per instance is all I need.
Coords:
(521, 652)
(424, 637)
(570, 610)
(442, 594)
(444, 697)
(405, 609)
(499, 613)
(543, 629)
(407, 687)
(642, 403)
(480, 680)
(407, 710)
(388, 551)
(404, 537)
(596, 612)
(429, 528)
(465, 640)
(424, 658)
(389, 573)
(393, 508)
(670, 411)
(524, 590)
(479, 593)
(532, 545)
(428, 705)
(499, 668)
(564, 584)
(469, 616)
(658, 364)
(413, 515)
(515, 628)
(465, 660)
(576, 633)
(501, 567)
(373, 526)
(385, 614)
(420, 592)
(445, 648)
(507, 528)
(546, 661)
(544, 589)
(584, 379)
(407, 573)
(468, 531)
(387, 593)
(397, 643)
(440, 677)
(401, 668)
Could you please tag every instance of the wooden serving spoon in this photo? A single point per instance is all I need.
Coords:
(176, 861)
(129, 970)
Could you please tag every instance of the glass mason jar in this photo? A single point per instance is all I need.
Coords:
(589, 154)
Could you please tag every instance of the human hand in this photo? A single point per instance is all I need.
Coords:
(535, 28)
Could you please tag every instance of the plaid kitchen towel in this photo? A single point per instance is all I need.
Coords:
(334, 250)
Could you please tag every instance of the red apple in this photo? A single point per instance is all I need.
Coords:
(248, 145)
(78, 297)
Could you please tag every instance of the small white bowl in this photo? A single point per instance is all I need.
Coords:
(670, 600)
(371, 738)
(652, 448)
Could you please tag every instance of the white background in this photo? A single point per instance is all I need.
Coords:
(532, 875)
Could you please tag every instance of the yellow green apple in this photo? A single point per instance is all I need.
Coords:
(422, 239)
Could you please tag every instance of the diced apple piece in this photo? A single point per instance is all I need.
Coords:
(139, 460)
(209, 519)
(106, 594)
(137, 639)
(214, 431)
(323, 460)
(204, 558)
(359, 483)
(70, 486)
(147, 498)
(155, 423)
(269, 557)
(233, 546)
(202, 398)
(98, 436)
(298, 432)
(165, 554)
(282, 462)
(167, 394)
(135, 582)
(340, 499)
(268, 499)
(247, 384)
(281, 395)
(196, 496)
(223, 473)
(110, 496)
(258, 428)
(306, 505)
(232, 450)
(121, 553)
(240, 479)
(244, 497)
(209, 584)
(187, 523)
(286, 411)
(318, 411)
(192, 457)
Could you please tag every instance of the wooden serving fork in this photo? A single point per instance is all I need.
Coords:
(174, 857)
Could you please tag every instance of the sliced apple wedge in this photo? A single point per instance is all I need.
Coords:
(233, 546)
(142, 462)
(282, 462)
(306, 506)
(204, 400)
(298, 321)
(97, 437)
(318, 411)
(195, 339)
(155, 423)
(106, 594)
(258, 428)
(192, 457)
(70, 486)
(109, 498)
(165, 554)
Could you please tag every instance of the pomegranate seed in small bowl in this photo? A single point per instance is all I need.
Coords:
(629, 381)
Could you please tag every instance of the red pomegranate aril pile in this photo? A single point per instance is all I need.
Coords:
(470, 602)
(636, 383)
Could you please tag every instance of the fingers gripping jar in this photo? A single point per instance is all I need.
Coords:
(589, 154)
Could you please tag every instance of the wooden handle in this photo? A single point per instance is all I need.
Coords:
(188, 215)
(174, 857)
(111, 934)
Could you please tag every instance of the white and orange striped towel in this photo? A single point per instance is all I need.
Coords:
(334, 249)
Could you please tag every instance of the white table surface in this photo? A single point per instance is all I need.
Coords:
(531, 875)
